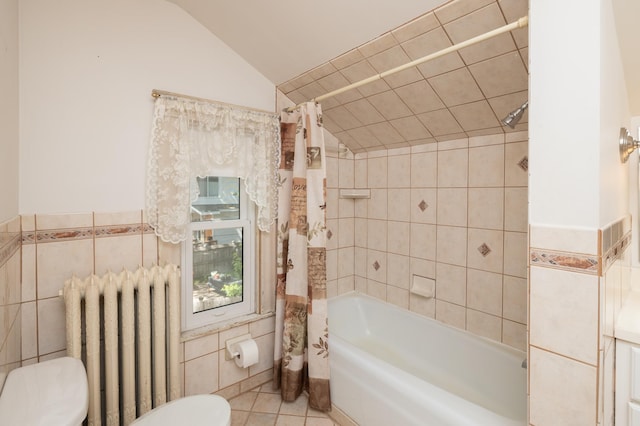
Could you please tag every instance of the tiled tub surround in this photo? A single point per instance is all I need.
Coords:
(576, 292)
(54, 247)
(10, 307)
(453, 211)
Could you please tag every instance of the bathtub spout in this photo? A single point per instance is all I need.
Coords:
(524, 363)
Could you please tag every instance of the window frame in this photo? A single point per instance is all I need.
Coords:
(246, 221)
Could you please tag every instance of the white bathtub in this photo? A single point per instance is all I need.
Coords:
(390, 366)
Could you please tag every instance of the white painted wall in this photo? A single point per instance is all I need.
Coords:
(9, 139)
(564, 114)
(578, 103)
(614, 113)
(86, 74)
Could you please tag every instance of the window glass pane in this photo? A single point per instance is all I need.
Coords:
(217, 268)
(218, 199)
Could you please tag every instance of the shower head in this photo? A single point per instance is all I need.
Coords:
(514, 116)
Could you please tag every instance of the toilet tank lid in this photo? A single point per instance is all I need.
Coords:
(50, 392)
(194, 410)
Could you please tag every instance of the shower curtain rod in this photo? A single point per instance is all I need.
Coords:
(155, 93)
(520, 23)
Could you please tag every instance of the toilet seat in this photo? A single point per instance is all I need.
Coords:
(195, 410)
(52, 392)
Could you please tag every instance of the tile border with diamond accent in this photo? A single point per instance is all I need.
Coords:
(613, 241)
(616, 251)
(9, 247)
(85, 233)
(574, 262)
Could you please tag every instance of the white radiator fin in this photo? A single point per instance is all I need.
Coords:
(136, 306)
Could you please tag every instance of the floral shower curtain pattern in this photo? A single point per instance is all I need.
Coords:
(301, 358)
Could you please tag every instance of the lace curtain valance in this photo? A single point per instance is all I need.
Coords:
(192, 139)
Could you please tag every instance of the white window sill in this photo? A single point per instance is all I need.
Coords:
(187, 335)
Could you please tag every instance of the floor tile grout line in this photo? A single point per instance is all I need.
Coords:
(276, 416)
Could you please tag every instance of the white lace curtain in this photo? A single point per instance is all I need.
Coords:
(192, 139)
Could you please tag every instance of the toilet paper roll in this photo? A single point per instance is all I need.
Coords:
(247, 353)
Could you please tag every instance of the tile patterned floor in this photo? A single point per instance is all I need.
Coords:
(264, 406)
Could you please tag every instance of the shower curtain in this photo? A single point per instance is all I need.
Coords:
(301, 355)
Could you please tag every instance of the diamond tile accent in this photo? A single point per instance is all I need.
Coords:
(484, 250)
(329, 234)
(376, 265)
(423, 205)
(524, 163)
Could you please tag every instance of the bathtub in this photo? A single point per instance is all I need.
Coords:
(390, 366)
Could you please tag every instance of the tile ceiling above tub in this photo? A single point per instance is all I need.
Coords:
(461, 94)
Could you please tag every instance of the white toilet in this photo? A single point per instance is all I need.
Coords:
(192, 410)
(55, 392)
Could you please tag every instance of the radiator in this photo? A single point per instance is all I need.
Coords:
(137, 354)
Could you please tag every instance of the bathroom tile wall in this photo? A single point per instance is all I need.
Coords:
(54, 247)
(576, 292)
(453, 211)
(203, 363)
(10, 309)
(341, 232)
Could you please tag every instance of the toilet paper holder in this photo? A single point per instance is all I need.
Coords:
(232, 352)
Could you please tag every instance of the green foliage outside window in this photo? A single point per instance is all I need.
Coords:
(232, 290)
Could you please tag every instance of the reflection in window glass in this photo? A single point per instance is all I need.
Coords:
(218, 199)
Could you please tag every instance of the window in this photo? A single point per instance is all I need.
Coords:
(208, 187)
(218, 276)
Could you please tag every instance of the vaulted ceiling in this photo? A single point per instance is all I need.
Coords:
(308, 49)
(285, 38)
(462, 94)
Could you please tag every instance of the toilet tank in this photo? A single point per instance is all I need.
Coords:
(194, 410)
(52, 392)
